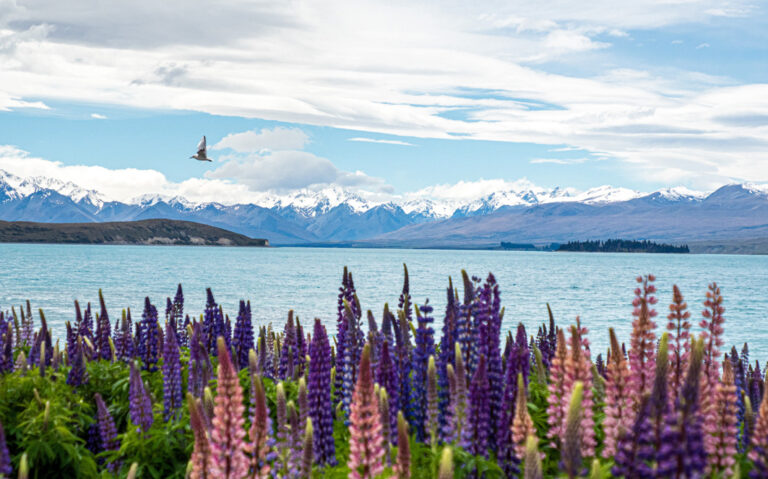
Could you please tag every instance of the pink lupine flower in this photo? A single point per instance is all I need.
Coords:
(618, 412)
(261, 430)
(642, 353)
(578, 369)
(200, 461)
(228, 435)
(522, 424)
(558, 396)
(712, 324)
(366, 448)
(720, 441)
(679, 345)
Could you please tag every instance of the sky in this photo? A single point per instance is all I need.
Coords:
(384, 98)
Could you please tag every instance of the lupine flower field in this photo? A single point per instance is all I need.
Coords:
(171, 393)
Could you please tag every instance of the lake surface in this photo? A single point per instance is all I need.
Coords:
(598, 287)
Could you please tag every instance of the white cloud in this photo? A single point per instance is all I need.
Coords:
(702, 45)
(337, 64)
(98, 116)
(559, 161)
(386, 142)
(267, 139)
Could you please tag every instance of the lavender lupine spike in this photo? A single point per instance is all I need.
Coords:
(149, 351)
(261, 430)
(319, 396)
(228, 435)
(201, 459)
(403, 360)
(425, 347)
(178, 316)
(6, 468)
(518, 363)
(489, 315)
(475, 434)
(341, 334)
(140, 402)
(739, 382)
(127, 349)
(465, 329)
(366, 450)
(172, 395)
(107, 429)
(243, 337)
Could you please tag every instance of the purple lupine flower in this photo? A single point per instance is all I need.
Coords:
(71, 341)
(289, 351)
(387, 377)
(213, 324)
(386, 325)
(6, 350)
(78, 374)
(150, 341)
(172, 396)
(319, 396)
(635, 450)
(200, 367)
(265, 359)
(301, 349)
(107, 430)
(6, 468)
(93, 437)
(518, 362)
(756, 388)
(425, 347)
(489, 325)
(465, 328)
(475, 434)
(178, 316)
(403, 362)
(353, 349)
(243, 337)
(739, 380)
(103, 330)
(374, 340)
(446, 355)
(140, 402)
(682, 451)
(127, 350)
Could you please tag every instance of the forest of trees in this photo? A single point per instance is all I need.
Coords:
(622, 246)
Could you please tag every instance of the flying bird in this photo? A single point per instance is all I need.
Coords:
(201, 155)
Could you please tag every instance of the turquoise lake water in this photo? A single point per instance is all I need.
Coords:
(597, 287)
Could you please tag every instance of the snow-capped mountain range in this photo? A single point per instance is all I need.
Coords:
(333, 214)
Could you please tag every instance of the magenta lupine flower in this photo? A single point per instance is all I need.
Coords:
(140, 402)
(319, 396)
(107, 429)
(228, 435)
(201, 453)
(171, 374)
(6, 468)
(642, 353)
(475, 434)
(243, 337)
(366, 444)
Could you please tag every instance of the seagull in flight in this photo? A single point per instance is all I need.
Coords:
(201, 152)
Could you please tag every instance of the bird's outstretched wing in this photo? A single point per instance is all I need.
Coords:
(201, 147)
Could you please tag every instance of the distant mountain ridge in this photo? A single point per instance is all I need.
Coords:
(523, 212)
